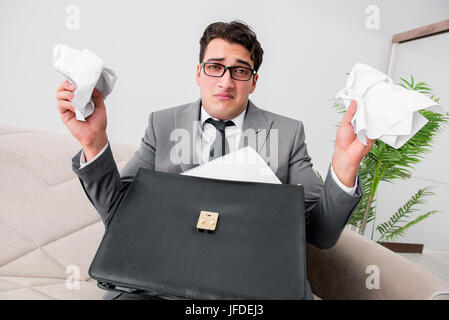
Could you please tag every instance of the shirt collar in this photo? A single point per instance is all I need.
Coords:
(238, 121)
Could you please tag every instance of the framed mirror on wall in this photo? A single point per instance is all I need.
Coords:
(421, 55)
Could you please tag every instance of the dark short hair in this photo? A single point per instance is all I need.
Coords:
(234, 32)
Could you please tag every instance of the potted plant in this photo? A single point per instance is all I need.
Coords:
(384, 163)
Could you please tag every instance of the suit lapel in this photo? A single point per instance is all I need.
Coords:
(255, 121)
(185, 119)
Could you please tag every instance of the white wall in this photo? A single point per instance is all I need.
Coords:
(153, 46)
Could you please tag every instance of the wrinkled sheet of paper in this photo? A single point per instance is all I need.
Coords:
(85, 71)
(244, 164)
(385, 111)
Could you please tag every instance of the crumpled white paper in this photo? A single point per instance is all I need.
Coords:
(385, 111)
(85, 71)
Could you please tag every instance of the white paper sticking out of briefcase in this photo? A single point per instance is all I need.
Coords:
(242, 165)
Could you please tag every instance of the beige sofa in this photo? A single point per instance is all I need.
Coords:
(49, 233)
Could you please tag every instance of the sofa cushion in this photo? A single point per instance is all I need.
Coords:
(49, 231)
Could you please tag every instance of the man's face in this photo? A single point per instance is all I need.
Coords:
(225, 98)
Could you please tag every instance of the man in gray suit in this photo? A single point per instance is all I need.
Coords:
(218, 123)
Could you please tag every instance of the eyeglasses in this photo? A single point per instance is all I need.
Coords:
(214, 69)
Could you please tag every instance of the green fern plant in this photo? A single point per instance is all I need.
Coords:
(392, 229)
(384, 163)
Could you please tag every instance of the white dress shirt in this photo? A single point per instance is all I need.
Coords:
(232, 133)
(209, 132)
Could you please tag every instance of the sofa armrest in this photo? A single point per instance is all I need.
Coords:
(344, 271)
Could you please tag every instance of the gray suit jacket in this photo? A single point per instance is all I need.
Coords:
(328, 207)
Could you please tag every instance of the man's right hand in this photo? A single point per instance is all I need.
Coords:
(91, 134)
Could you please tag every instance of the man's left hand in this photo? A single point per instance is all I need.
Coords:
(349, 151)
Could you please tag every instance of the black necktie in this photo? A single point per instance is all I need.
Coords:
(220, 146)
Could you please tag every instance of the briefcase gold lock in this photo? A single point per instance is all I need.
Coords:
(207, 221)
